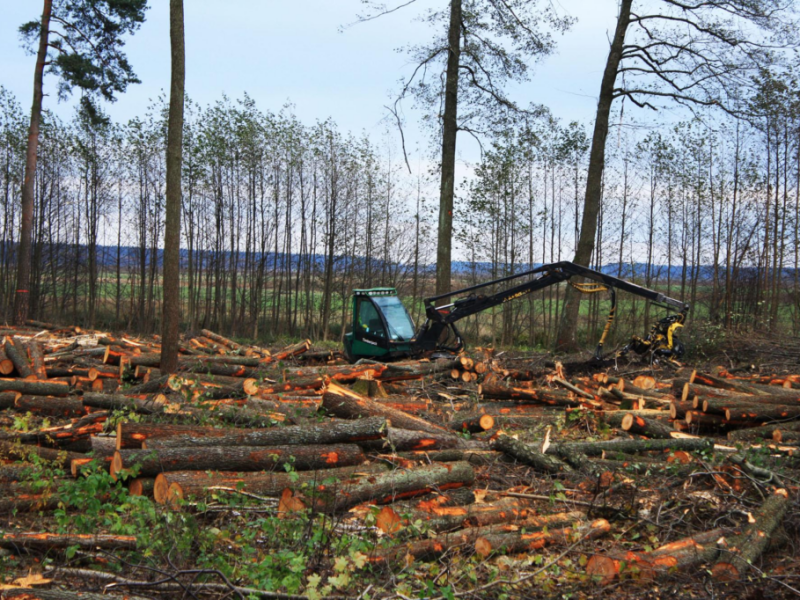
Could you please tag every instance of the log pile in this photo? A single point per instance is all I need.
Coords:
(466, 454)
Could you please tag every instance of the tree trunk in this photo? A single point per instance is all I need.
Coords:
(594, 182)
(338, 432)
(449, 132)
(237, 458)
(22, 297)
(171, 315)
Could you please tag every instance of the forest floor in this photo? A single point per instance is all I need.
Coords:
(287, 473)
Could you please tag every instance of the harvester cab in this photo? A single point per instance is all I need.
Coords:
(381, 328)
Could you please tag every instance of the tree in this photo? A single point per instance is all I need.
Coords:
(459, 79)
(696, 53)
(85, 37)
(171, 313)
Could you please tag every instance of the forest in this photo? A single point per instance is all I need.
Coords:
(281, 220)
(184, 408)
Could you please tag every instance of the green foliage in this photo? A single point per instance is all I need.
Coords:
(86, 37)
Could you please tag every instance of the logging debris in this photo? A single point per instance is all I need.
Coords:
(449, 457)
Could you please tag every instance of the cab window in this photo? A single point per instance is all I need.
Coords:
(369, 321)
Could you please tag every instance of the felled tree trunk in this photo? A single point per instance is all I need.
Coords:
(339, 432)
(529, 455)
(236, 458)
(745, 549)
(382, 489)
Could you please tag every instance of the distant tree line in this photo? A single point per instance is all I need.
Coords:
(281, 220)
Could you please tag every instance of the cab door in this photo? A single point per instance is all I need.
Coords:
(369, 325)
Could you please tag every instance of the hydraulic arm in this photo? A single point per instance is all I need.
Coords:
(439, 332)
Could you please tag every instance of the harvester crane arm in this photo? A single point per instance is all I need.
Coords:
(444, 317)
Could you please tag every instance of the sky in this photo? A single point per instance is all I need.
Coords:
(302, 52)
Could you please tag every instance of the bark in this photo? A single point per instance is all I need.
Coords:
(171, 310)
(145, 406)
(37, 360)
(341, 402)
(402, 440)
(342, 374)
(686, 552)
(568, 327)
(220, 339)
(760, 413)
(652, 428)
(474, 457)
(753, 434)
(47, 541)
(22, 452)
(50, 406)
(448, 165)
(389, 487)
(338, 432)
(551, 397)
(7, 399)
(132, 435)
(529, 455)
(237, 458)
(634, 446)
(36, 388)
(472, 422)
(6, 364)
(175, 485)
(513, 542)
(310, 383)
(22, 296)
(744, 549)
(16, 353)
(52, 594)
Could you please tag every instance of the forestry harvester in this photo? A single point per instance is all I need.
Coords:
(382, 328)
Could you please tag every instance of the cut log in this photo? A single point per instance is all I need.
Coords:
(753, 434)
(401, 440)
(220, 339)
(295, 385)
(385, 488)
(743, 550)
(36, 360)
(761, 413)
(550, 397)
(53, 406)
(289, 351)
(508, 543)
(47, 541)
(687, 552)
(651, 428)
(721, 383)
(341, 402)
(18, 355)
(6, 365)
(335, 432)
(55, 594)
(236, 458)
(342, 374)
(474, 457)
(154, 404)
(142, 486)
(181, 485)
(634, 446)
(472, 422)
(8, 399)
(529, 455)
(23, 452)
(679, 408)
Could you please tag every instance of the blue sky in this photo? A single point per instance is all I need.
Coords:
(283, 51)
